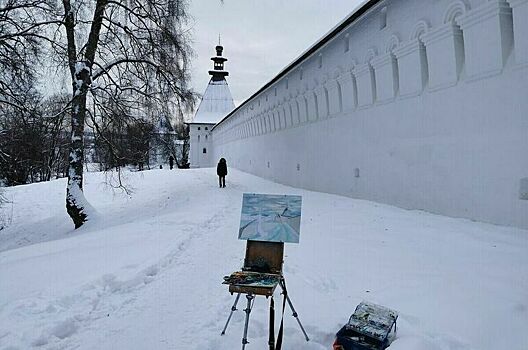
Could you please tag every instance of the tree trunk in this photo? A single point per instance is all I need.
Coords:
(81, 72)
(76, 205)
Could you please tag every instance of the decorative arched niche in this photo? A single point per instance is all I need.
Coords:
(365, 80)
(321, 101)
(445, 47)
(420, 29)
(488, 32)
(347, 80)
(412, 62)
(392, 44)
(369, 55)
(385, 70)
(456, 9)
(520, 27)
(335, 91)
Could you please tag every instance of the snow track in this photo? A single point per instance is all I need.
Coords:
(147, 273)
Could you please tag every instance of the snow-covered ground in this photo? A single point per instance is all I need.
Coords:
(147, 272)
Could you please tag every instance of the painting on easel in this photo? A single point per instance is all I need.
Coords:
(270, 218)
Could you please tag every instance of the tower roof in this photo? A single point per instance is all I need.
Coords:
(217, 101)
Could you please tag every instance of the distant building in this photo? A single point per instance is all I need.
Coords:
(216, 103)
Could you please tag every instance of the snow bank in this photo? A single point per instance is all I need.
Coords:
(146, 274)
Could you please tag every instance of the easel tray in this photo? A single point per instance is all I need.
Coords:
(252, 282)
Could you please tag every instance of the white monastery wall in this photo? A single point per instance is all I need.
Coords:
(421, 104)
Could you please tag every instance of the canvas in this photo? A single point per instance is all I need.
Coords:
(270, 218)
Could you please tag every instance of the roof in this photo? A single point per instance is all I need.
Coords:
(355, 14)
(216, 103)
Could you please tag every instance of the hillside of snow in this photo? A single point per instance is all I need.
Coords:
(146, 273)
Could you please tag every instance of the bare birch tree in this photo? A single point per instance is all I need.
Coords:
(129, 54)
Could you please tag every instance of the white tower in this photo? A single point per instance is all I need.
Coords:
(216, 103)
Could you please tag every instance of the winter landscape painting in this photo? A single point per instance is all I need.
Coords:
(271, 218)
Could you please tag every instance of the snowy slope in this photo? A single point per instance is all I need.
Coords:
(147, 273)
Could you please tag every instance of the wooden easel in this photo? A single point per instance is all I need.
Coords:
(263, 261)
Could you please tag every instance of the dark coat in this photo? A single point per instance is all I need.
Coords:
(221, 168)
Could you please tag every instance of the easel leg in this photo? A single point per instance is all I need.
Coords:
(271, 340)
(233, 309)
(297, 317)
(283, 286)
(250, 300)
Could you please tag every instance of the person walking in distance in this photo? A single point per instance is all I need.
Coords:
(171, 162)
(221, 171)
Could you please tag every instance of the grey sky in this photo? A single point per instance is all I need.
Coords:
(260, 37)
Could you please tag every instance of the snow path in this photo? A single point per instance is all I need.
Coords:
(147, 274)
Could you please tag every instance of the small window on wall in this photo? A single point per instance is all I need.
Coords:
(204, 150)
(198, 138)
(198, 128)
(346, 41)
(320, 61)
(206, 128)
(383, 18)
(205, 137)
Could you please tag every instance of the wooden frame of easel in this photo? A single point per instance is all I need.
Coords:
(262, 258)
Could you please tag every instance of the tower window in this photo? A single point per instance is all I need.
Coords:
(320, 61)
(347, 42)
(206, 128)
(204, 150)
(198, 138)
(198, 128)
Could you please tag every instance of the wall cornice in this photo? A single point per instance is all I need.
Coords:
(382, 60)
(407, 48)
(445, 31)
(345, 78)
(362, 69)
(515, 3)
(331, 84)
(490, 9)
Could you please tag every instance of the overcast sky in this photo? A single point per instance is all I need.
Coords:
(260, 37)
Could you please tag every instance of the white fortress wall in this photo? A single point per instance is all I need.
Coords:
(421, 104)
